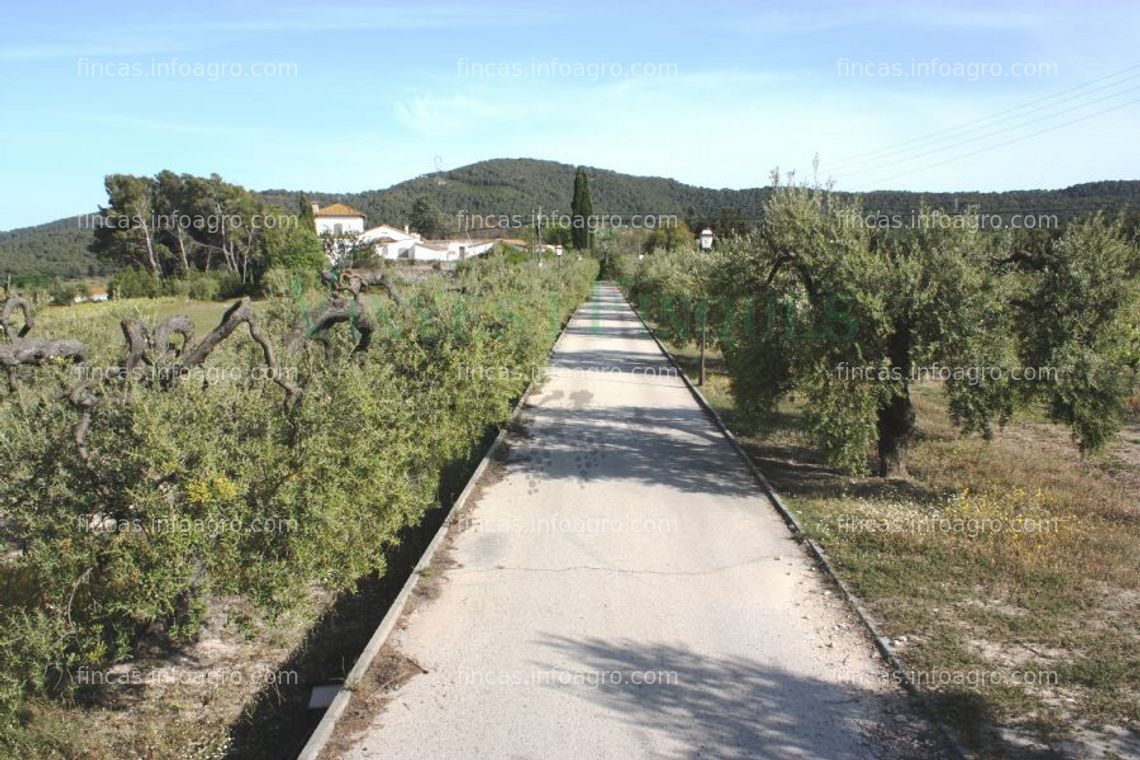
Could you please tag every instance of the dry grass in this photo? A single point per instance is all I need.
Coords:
(204, 314)
(1007, 572)
(164, 705)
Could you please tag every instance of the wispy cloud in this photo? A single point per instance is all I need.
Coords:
(189, 30)
(442, 116)
(161, 126)
(84, 47)
(322, 17)
(382, 89)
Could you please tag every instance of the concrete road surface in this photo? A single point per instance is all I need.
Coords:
(621, 588)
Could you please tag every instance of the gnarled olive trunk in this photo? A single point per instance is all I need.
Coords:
(895, 427)
(896, 416)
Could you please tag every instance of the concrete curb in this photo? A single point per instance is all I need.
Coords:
(325, 729)
(814, 550)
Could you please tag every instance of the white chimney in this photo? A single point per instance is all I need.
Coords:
(316, 208)
(405, 229)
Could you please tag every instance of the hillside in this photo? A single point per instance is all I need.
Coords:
(523, 186)
(55, 249)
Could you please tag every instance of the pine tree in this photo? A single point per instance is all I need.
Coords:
(426, 218)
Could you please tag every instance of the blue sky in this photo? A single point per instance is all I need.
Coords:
(370, 94)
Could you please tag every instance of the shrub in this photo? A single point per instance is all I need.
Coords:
(203, 288)
(230, 285)
(618, 267)
(203, 489)
(63, 293)
(134, 283)
(289, 283)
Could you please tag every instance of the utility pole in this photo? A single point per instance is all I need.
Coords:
(538, 235)
(704, 320)
(706, 240)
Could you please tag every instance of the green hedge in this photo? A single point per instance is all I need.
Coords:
(206, 489)
(200, 286)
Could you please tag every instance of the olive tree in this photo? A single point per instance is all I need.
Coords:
(846, 317)
(1079, 316)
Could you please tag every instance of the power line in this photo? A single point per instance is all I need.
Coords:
(1000, 121)
(1009, 142)
(978, 138)
(956, 127)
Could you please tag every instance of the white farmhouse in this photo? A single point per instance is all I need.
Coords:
(462, 249)
(338, 219)
(452, 250)
(390, 242)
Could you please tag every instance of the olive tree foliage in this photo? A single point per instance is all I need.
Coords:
(669, 287)
(852, 317)
(672, 236)
(815, 305)
(819, 306)
(148, 472)
(1078, 312)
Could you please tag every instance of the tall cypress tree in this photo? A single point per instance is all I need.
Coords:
(305, 217)
(581, 211)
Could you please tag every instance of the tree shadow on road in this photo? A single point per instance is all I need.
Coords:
(736, 707)
(677, 448)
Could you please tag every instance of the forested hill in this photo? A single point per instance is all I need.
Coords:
(523, 186)
(55, 249)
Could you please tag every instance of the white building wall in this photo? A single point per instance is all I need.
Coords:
(423, 253)
(390, 242)
(348, 224)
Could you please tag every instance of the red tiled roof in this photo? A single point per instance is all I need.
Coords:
(338, 209)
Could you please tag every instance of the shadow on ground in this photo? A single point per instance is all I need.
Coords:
(740, 708)
(630, 443)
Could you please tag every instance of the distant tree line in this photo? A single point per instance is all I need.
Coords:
(175, 225)
(431, 204)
